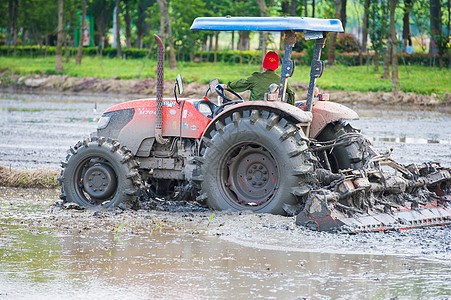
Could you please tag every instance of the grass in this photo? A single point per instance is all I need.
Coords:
(28, 178)
(423, 80)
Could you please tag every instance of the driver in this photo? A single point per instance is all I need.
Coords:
(259, 82)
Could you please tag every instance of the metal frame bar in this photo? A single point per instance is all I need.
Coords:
(315, 72)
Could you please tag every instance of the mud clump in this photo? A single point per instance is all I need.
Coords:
(43, 178)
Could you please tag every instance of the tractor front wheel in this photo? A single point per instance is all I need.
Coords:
(99, 172)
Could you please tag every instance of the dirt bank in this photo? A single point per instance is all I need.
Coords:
(147, 87)
(43, 178)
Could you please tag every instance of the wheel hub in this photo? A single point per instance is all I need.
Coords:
(257, 175)
(100, 181)
(253, 176)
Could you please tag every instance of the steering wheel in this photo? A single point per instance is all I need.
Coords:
(221, 107)
(220, 91)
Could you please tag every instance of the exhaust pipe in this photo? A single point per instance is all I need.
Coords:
(160, 83)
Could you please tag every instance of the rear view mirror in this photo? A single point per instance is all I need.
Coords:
(213, 83)
(179, 83)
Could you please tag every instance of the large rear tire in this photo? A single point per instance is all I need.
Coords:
(352, 156)
(255, 160)
(100, 173)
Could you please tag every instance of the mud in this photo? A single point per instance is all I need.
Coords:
(53, 251)
(36, 130)
(183, 255)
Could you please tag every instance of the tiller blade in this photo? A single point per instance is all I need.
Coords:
(375, 201)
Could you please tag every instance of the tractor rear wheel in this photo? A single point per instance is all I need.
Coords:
(255, 160)
(352, 156)
(99, 172)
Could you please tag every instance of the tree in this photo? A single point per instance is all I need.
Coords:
(293, 7)
(236, 8)
(394, 43)
(343, 13)
(102, 12)
(71, 18)
(388, 50)
(172, 60)
(80, 42)
(333, 36)
(141, 16)
(366, 4)
(59, 46)
(313, 8)
(377, 28)
(165, 21)
(11, 24)
(118, 29)
(406, 25)
(128, 39)
(37, 19)
(264, 34)
(438, 42)
(435, 25)
(8, 22)
(183, 13)
(285, 10)
(163, 8)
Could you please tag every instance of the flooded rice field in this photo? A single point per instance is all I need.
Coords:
(48, 251)
(37, 130)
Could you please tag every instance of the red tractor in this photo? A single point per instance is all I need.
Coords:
(265, 156)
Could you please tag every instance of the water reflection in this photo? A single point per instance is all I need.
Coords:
(178, 265)
(409, 140)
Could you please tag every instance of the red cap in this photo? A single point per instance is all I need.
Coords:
(271, 60)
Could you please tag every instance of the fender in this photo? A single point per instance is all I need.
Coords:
(325, 112)
(283, 109)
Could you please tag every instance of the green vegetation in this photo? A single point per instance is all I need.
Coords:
(211, 218)
(423, 80)
(28, 178)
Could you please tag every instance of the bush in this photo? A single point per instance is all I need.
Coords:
(301, 43)
(27, 50)
(347, 42)
(352, 59)
(231, 56)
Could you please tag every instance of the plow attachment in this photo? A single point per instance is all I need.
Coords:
(365, 201)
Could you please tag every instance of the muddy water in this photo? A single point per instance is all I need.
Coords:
(51, 252)
(37, 130)
(48, 252)
(415, 136)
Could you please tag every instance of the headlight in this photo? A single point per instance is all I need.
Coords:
(103, 122)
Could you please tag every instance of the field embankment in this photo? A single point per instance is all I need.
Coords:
(43, 178)
(147, 88)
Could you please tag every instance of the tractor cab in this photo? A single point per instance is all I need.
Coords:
(313, 29)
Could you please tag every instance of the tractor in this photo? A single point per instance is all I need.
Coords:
(265, 156)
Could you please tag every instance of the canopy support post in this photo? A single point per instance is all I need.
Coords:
(316, 70)
(287, 64)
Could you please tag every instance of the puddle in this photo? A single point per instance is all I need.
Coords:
(409, 140)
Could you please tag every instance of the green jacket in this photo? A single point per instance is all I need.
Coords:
(258, 84)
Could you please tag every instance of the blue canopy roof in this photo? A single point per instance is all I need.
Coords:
(266, 24)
